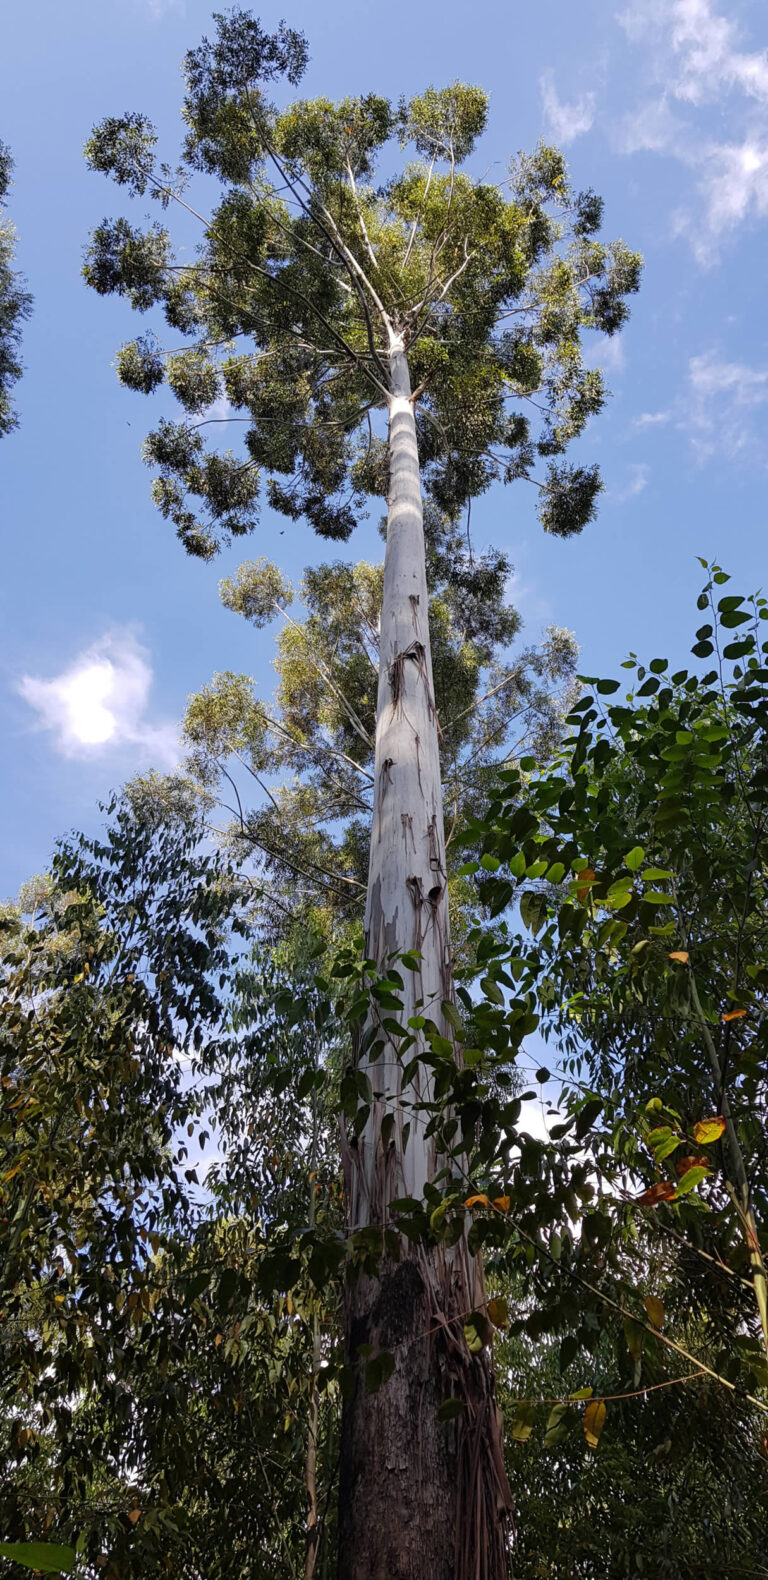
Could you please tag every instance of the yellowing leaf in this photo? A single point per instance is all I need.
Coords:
(709, 1129)
(502, 1203)
(680, 954)
(594, 1421)
(655, 1309)
(735, 1014)
(498, 1312)
(477, 1201)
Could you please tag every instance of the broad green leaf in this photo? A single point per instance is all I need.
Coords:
(634, 1334)
(634, 858)
(449, 1409)
(692, 1178)
(524, 1421)
(47, 1557)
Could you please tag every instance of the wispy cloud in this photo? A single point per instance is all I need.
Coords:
(636, 483)
(722, 400)
(160, 8)
(98, 703)
(695, 58)
(652, 419)
(565, 121)
(605, 351)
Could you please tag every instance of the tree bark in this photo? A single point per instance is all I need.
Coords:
(418, 1497)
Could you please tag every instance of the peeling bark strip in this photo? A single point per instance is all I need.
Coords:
(418, 1497)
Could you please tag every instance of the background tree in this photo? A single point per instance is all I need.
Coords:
(161, 1348)
(433, 300)
(308, 834)
(15, 303)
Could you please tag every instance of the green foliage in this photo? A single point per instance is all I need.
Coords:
(639, 861)
(300, 768)
(675, 1488)
(160, 1348)
(317, 266)
(15, 304)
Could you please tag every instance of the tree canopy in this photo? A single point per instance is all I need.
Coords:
(313, 257)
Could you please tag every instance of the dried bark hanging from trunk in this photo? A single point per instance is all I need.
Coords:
(418, 1497)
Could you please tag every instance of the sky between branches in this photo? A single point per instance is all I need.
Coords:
(662, 106)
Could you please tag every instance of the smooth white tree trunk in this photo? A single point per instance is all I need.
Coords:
(407, 904)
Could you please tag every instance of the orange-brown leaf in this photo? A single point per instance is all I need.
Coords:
(663, 1191)
(502, 1203)
(134, 1515)
(695, 1160)
(680, 954)
(709, 1129)
(477, 1201)
(594, 1421)
(735, 1014)
(584, 881)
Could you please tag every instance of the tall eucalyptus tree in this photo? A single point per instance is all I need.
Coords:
(414, 338)
(15, 304)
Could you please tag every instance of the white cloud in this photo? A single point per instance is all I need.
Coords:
(565, 121)
(652, 419)
(607, 352)
(700, 49)
(722, 398)
(98, 703)
(638, 480)
(160, 8)
(695, 59)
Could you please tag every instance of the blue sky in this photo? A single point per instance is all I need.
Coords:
(662, 106)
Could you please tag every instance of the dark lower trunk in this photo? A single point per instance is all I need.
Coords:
(419, 1498)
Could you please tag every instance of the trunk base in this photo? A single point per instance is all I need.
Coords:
(419, 1498)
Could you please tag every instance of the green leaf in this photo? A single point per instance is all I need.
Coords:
(524, 1421)
(634, 858)
(533, 910)
(44, 1556)
(452, 1015)
(587, 1115)
(666, 1148)
(634, 1334)
(449, 1409)
(692, 1178)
